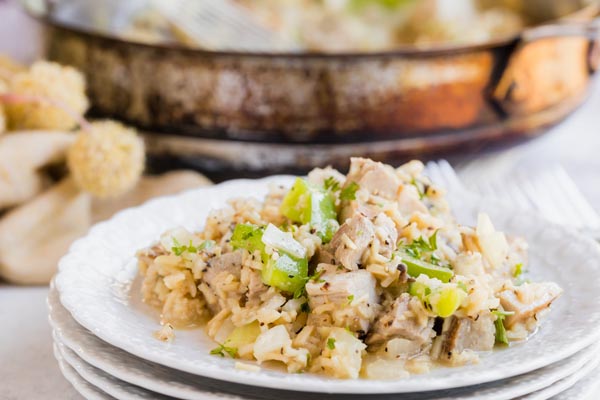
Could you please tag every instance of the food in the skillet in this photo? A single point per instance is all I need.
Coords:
(358, 25)
(365, 274)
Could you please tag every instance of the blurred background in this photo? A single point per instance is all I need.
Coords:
(203, 91)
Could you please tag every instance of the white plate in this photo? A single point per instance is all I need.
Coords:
(586, 389)
(167, 381)
(564, 384)
(96, 384)
(84, 388)
(96, 276)
(103, 381)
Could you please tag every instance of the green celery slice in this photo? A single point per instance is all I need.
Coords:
(286, 273)
(308, 204)
(416, 267)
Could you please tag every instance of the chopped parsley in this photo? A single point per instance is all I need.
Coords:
(501, 336)
(331, 184)
(331, 343)
(350, 299)
(418, 185)
(223, 350)
(434, 259)
(518, 270)
(421, 247)
(299, 292)
(178, 249)
(316, 277)
(349, 192)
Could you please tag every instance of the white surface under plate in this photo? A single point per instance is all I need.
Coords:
(167, 381)
(84, 388)
(96, 276)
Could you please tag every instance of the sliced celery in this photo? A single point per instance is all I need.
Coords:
(286, 273)
(444, 300)
(308, 204)
(296, 203)
(416, 267)
(249, 237)
(448, 301)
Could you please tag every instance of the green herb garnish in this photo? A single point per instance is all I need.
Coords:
(331, 343)
(178, 249)
(223, 350)
(419, 246)
(331, 184)
(518, 270)
(420, 190)
(349, 192)
(316, 277)
(350, 299)
(501, 336)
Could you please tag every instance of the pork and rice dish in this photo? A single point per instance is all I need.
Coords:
(358, 275)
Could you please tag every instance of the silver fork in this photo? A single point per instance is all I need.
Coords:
(552, 193)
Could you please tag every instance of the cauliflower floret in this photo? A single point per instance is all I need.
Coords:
(47, 96)
(106, 160)
(276, 344)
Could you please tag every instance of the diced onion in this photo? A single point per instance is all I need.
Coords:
(283, 241)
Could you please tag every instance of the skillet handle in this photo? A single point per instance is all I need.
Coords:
(590, 30)
(549, 65)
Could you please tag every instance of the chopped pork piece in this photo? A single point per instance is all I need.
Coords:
(409, 201)
(397, 321)
(325, 255)
(460, 334)
(256, 288)
(527, 300)
(230, 263)
(352, 240)
(354, 207)
(352, 295)
(379, 179)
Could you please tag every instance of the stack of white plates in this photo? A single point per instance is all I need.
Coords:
(105, 345)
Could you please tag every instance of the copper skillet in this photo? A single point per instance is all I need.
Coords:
(261, 113)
